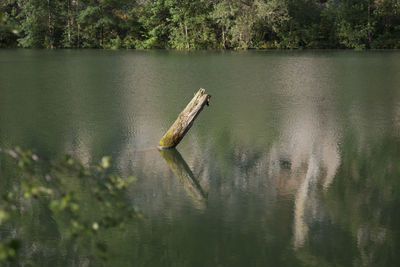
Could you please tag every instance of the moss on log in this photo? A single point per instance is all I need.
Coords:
(184, 121)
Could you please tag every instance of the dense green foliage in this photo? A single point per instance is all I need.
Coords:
(59, 207)
(188, 24)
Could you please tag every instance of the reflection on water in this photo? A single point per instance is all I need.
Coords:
(185, 176)
(308, 139)
(295, 163)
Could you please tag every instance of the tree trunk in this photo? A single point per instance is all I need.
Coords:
(186, 31)
(223, 38)
(184, 121)
(50, 35)
(69, 23)
(186, 37)
(369, 24)
(79, 25)
(79, 39)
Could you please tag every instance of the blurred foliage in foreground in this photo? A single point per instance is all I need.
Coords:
(59, 207)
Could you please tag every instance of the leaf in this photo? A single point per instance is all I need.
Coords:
(105, 162)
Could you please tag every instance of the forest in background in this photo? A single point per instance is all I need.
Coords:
(202, 24)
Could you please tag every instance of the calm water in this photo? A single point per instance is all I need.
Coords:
(295, 163)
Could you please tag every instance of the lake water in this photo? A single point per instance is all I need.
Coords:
(295, 163)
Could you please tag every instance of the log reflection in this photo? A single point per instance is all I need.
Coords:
(185, 176)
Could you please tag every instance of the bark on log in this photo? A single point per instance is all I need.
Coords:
(184, 121)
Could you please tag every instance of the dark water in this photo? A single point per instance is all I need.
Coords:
(295, 163)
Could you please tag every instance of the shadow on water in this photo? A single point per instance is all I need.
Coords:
(185, 176)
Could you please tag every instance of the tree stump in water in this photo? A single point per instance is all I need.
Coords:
(184, 121)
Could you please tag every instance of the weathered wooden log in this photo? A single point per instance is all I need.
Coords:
(185, 177)
(184, 121)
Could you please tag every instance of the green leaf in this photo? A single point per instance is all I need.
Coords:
(105, 162)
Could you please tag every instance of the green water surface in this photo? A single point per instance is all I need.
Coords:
(295, 163)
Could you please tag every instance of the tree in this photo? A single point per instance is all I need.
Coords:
(154, 18)
(8, 23)
(386, 24)
(272, 16)
(189, 25)
(355, 23)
